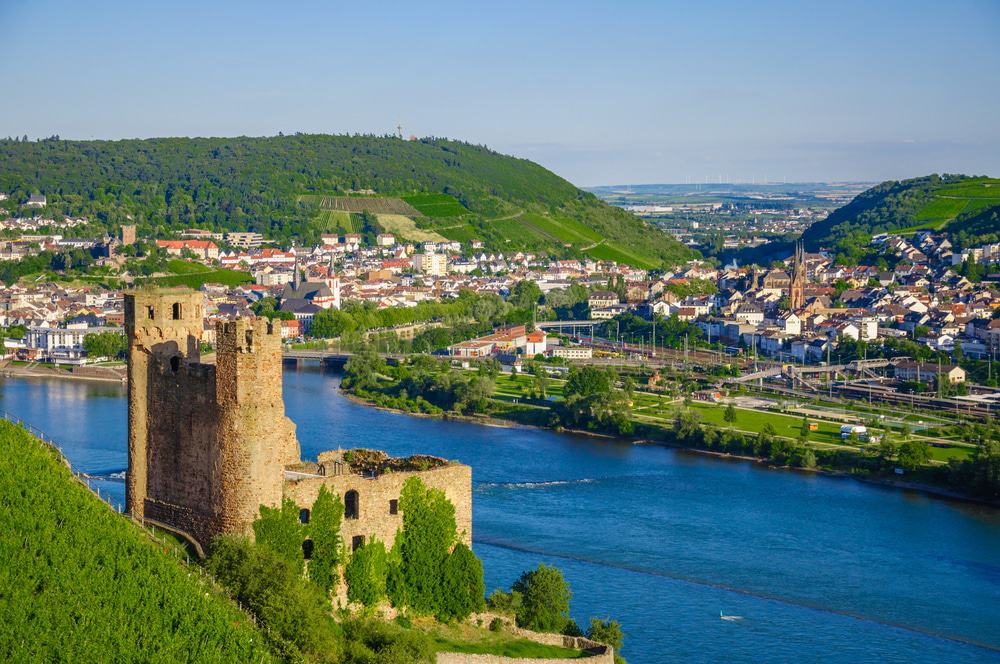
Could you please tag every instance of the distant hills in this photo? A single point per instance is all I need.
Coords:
(297, 187)
(965, 207)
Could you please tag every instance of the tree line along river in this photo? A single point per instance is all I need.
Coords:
(817, 568)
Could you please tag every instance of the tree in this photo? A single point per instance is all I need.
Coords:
(366, 573)
(541, 382)
(887, 450)
(804, 429)
(591, 400)
(105, 344)
(545, 597)
(462, 583)
(324, 530)
(474, 396)
(730, 414)
(913, 454)
(525, 294)
(278, 529)
(363, 369)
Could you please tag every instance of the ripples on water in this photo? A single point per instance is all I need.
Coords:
(819, 569)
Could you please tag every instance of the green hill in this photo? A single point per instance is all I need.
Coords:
(967, 208)
(300, 186)
(81, 583)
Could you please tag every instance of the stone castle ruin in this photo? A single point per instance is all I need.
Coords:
(208, 444)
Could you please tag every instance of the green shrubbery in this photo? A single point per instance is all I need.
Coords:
(424, 553)
(324, 531)
(366, 574)
(296, 612)
(279, 530)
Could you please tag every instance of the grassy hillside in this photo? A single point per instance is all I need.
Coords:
(81, 583)
(965, 207)
(302, 185)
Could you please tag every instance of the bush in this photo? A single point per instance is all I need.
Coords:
(296, 612)
(608, 632)
(503, 602)
(376, 642)
(365, 574)
(572, 629)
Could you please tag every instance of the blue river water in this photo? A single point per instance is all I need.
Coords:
(818, 568)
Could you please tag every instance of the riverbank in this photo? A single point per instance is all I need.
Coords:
(482, 420)
(88, 373)
(883, 482)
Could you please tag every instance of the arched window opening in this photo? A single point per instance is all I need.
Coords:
(175, 363)
(176, 311)
(150, 313)
(357, 542)
(394, 507)
(303, 516)
(352, 507)
(307, 549)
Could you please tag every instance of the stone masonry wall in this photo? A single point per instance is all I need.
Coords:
(163, 330)
(255, 438)
(375, 493)
(596, 653)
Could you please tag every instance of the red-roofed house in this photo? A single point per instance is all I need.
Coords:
(204, 249)
(535, 343)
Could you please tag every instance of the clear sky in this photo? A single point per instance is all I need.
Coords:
(602, 93)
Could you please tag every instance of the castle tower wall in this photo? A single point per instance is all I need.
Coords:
(164, 336)
(255, 438)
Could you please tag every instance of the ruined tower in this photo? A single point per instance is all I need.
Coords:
(255, 438)
(207, 443)
(796, 296)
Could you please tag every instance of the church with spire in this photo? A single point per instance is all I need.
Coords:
(305, 297)
(797, 284)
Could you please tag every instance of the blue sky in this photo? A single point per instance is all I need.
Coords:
(602, 93)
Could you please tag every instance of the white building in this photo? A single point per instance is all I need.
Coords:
(435, 265)
(60, 345)
(245, 240)
(535, 343)
(572, 352)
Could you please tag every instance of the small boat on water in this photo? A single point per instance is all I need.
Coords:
(723, 616)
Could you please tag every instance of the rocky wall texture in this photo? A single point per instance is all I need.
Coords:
(376, 493)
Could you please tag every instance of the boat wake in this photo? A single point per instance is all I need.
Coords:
(485, 486)
(108, 475)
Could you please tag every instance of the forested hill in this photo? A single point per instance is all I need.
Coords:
(967, 208)
(294, 187)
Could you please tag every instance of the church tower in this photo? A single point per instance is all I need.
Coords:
(796, 298)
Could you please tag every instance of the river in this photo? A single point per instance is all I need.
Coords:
(818, 568)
